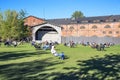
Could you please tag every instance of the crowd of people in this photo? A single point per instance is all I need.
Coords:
(42, 45)
(49, 46)
(9, 43)
(97, 46)
(70, 44)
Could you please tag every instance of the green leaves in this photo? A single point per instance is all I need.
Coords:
(77, 14)
(12, 24)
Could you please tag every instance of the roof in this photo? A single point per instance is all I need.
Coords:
(34, 17)
(59, 21)
(97, 19)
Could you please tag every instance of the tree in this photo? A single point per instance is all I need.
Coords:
(22, 29)
(77, 14)
(12, 24)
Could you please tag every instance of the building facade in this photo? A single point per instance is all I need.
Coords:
(99, 29)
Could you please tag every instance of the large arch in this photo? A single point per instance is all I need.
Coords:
(47, 32)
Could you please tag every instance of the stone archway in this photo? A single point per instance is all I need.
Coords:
(47, 32)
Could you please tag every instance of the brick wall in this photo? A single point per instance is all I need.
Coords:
(32, 21)
(87, 29)
(92, 29)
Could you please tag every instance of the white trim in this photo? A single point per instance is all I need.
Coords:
(57, 28)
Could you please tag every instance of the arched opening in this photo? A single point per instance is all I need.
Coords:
(49, 32)
(82, 27)
(46, 33)
(94, 27)
(107, 26)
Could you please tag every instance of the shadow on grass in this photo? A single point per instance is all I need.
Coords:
(96, 68)
(19, 54)
(29, 70)
(106, 68)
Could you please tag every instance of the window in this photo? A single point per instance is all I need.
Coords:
(62, 28)
(84, 21)
(102, 21)
(104, 32)
(119, 26)
(71, 28)
(114, 20)
(96, 21)
(90, 21)
(110, 32)
(117, 32)
(94, 27)
(109, 20)
(107, 26)
(82, 27)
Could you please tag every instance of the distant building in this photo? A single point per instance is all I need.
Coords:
(100, 29)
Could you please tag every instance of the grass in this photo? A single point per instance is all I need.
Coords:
(81, 63)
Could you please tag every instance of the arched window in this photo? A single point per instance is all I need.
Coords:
(82, 27)
(117, 32)
(104, 32)
(94, 27)
(62, 28)
(107, 26)
(110, 32)
(71, 28)
(119, 26)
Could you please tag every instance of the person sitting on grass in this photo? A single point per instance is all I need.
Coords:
(14, 43)
(53, 51)
(62, 56)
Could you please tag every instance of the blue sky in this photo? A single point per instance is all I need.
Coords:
(52, 9)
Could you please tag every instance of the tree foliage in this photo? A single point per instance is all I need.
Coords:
(77, 14)
(12, 25)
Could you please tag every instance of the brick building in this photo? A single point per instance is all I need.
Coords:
(88, 29)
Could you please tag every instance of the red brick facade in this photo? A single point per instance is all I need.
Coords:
(92, 29)
(99, 29)
(32, 21)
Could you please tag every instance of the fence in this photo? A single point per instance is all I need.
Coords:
(106, 39)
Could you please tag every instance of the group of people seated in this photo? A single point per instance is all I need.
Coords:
(55, 53)
(98, 46)
(45, 45)
(11, 43)
(42, 45)
(70, 44)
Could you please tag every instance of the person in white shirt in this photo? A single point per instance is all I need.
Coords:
(53, 51)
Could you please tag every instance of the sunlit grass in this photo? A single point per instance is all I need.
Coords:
(41, 64)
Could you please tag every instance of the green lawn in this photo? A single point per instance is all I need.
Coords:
(81, 63)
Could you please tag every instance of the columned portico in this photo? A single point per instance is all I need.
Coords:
(46, 32)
